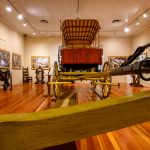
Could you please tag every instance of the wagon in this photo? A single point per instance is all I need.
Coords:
(80, 54)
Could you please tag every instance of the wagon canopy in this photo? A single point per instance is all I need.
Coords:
(79, 30)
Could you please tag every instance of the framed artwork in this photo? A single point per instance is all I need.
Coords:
(4, 59)
(141, 57)
(116, 61)
(42, 61)
(16, 61)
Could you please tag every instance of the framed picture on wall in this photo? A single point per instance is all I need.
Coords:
(42, 61)
(4, 59)
(141, 57)
(16, 61)
(116, 61)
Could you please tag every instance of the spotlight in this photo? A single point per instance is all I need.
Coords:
(145, 15)
(137, 23)
(20, 17)
(126, 20)
(34, 33)
(24, 24)
(8, 8)
(126, 29)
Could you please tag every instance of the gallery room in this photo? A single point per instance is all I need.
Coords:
(74, 75)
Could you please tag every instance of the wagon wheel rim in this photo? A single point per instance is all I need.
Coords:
(55, 79)
(106, 88)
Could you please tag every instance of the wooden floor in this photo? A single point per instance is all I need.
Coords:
(31, 97)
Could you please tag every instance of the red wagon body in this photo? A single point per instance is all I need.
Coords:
(81, 56)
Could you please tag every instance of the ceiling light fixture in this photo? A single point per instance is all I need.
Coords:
(20, 16)
(126, 29)
(24, 24)
(136, 21)
(34, 33)
(8, 8)
(126, 20)
(145, 15)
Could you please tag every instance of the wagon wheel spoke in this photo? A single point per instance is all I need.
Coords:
(106, 88)
(55, 79)
(93, 84)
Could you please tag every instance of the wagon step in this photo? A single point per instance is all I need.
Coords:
(59, 82)
(76, 78)
(106, 83)
(76, 73)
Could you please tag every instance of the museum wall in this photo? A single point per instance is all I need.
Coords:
(13, 42)
(41, 46)
(140, 40)
(117, 47)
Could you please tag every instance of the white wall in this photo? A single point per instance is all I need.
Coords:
(13, 42)
(117, 47)
(41, 46)
(140, 40)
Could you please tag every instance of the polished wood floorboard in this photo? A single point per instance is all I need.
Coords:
(31, 97)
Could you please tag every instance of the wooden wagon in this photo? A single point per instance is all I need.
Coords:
(80, 54)
(80, 57)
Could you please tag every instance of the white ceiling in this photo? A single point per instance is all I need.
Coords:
(55, 10)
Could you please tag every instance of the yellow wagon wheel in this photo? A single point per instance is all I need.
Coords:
(55, 79)
(106, 87)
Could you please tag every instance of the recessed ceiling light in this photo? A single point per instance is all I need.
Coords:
(145, 15)
(8, 8)
(126, 29)
(20, 16)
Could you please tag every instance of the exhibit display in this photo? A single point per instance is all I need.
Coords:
(16, 61)
(78, 60)
(116, 61)
(39, 75)
(43, 61)
(26, 77)
(90, 66)
(4, 59)
(6, 77)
